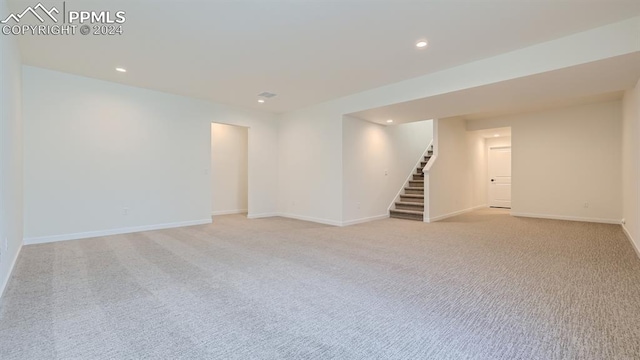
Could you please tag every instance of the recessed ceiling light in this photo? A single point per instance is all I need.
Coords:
(119, 69)
(390, 121)
(496, 135)
(421, 44)
(260, 101)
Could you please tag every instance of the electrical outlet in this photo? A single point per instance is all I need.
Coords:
(623, 221)
(358, 205)
(125, 211)
(586, 205)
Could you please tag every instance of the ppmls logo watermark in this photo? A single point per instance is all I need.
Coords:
(40, 20)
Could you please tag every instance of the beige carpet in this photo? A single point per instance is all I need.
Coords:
(479, 286)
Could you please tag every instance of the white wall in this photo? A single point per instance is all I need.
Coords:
(10, 153)
(376, 162)
(564, 158)
(263, 155)
(310, 166)
(630, 163)
(455, 178)
(229, 164)
(311, 138)
(94, 148)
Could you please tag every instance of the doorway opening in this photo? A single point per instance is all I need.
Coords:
(500, 177)
(499, 169)
(229, 169)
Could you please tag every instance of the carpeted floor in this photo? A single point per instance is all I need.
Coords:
(479, 286)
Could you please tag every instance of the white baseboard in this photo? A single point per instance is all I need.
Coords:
(229, 212)
(127, 230)
(262, 215)
(455, 213)
(633, 243)
(364, 220)
(567, 218)
(312, 219)
(5, 281)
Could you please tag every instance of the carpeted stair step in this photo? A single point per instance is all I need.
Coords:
(418, 176)
(407, 214)
(412, 198)
(416, 183)
(414, 190)
(415, 206)
(425, 161)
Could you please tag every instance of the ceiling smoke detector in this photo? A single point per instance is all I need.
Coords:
(267, 95)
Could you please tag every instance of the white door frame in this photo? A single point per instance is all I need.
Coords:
(489, 175)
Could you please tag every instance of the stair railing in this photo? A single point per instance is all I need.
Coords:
(429, 163)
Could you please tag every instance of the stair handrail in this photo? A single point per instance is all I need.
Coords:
(406, 181)
(432, 160)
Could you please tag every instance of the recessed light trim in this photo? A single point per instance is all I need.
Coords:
(261, 101)
(390, 120)
(421, 44)
(122, 70)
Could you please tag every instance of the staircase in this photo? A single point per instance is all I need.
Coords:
(411, 204)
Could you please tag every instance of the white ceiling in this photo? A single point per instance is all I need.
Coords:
(596, 81)
(305, 51)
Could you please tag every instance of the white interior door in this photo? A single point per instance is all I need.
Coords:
(500, 177)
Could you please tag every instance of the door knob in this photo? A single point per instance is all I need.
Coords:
(492, 180)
